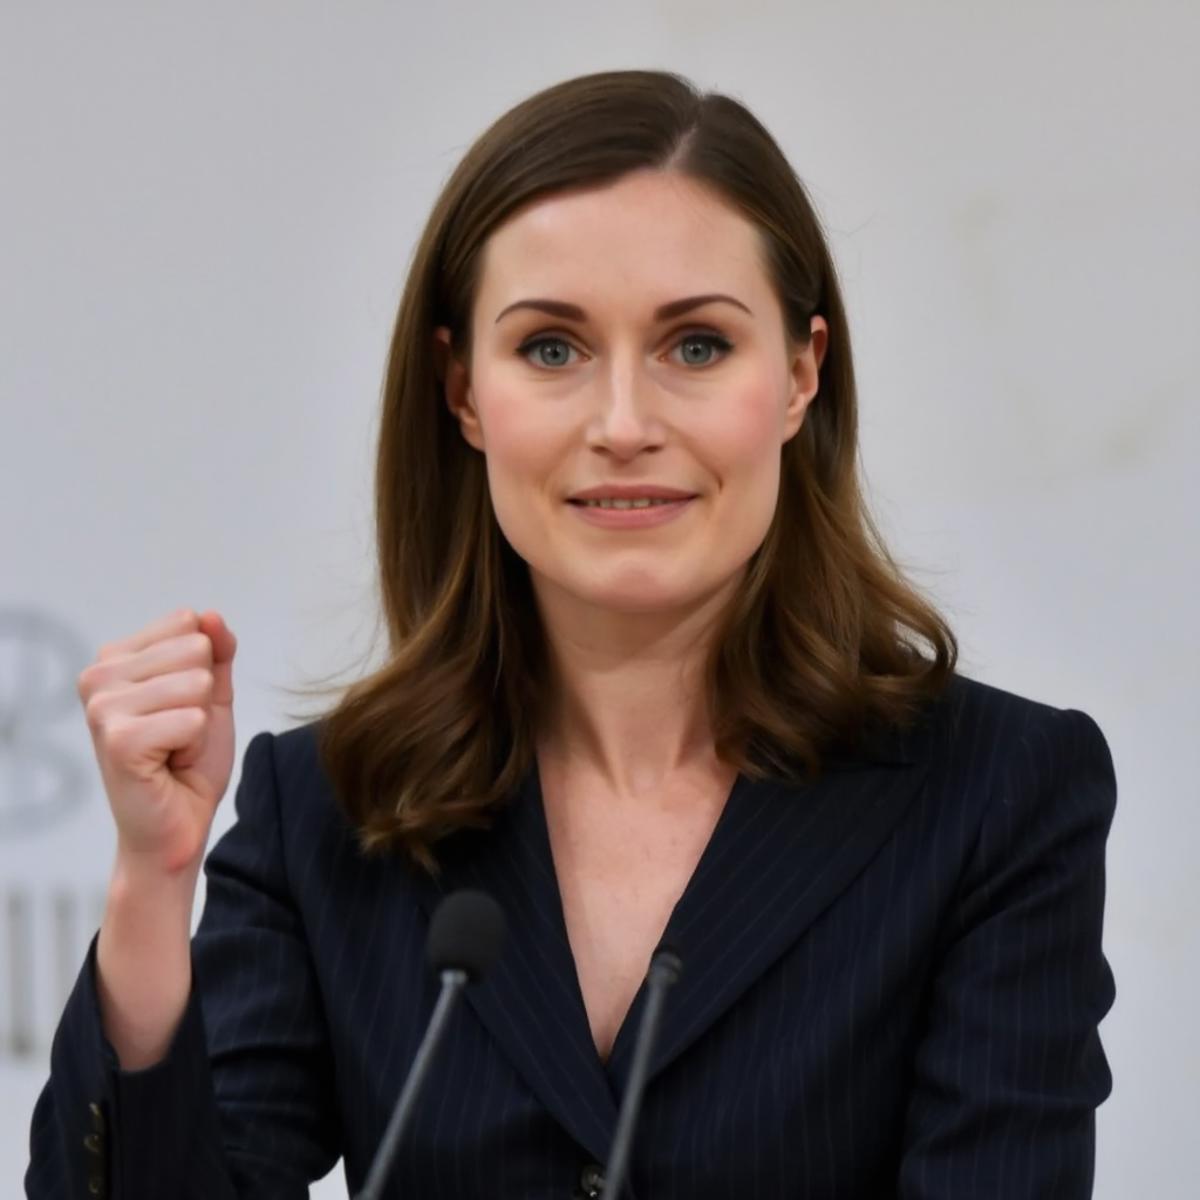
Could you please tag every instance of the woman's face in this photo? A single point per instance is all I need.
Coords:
(617, 394)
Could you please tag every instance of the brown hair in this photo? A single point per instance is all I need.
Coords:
(817, 646)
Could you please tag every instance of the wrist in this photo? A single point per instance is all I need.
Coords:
(145, 902)
(137, 871)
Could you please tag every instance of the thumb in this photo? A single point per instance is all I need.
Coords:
(224, 647)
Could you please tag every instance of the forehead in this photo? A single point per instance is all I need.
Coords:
(662, 235)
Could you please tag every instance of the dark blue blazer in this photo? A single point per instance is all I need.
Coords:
(892, 983)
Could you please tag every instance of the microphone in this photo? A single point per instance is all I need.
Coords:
(665, 967)
(466, 935)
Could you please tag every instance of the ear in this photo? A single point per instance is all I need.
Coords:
(805, 376)
(456, 384)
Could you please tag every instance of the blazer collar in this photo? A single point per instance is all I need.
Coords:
(780, 854)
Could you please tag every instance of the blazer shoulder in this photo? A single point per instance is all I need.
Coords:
(297, 752)
(985, 727)
(303, 792)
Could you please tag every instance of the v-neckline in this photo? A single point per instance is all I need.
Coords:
(626, 1035)
(780, 853)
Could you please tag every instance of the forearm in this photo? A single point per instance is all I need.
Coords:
(143, 960)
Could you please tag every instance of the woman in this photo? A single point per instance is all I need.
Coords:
(652, 673)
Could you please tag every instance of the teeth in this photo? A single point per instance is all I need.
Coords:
(641, 503)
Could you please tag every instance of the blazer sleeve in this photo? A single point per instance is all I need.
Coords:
(1010, 1068)
(242, 1103)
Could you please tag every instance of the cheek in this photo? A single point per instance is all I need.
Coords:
(524, 419)
(744, 439)
(743, 445)
(526, 448)
(512, 422)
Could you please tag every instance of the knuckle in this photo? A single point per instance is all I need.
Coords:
(117, 735)
(94, 711)
(102, 707)
(201, 679)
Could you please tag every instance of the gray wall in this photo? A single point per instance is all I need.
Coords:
(205, 219)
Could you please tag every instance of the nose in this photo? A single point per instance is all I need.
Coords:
(625, 420)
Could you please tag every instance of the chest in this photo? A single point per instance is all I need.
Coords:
(622, 866)
(744, 1109)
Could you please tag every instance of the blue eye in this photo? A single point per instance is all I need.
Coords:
(534, 343)
(712, 340)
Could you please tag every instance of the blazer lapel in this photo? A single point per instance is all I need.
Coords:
(531, 1002)
(780, 854)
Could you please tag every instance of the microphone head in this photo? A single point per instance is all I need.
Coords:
(666, 962)
(466, 933)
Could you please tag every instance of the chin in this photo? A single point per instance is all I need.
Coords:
(637, 592)
(641, 597)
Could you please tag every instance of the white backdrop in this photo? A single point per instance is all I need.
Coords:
(206, 214)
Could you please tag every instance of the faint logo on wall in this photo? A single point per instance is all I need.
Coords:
(40, 661)
(42, 931)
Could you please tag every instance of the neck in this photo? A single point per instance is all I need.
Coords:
(628, 705)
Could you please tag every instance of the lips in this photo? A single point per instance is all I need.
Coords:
(630, 516)
(630, 491)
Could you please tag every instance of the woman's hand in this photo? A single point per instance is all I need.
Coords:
(159, 705)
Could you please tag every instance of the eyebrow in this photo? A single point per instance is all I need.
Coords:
(572, 312)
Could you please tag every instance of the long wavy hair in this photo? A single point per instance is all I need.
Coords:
(825, 639)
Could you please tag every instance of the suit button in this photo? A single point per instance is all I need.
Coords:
(92, 1143)
(96, 1185)
(97, 1116)
(591, 1181)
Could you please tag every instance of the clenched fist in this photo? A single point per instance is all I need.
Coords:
(159, 705)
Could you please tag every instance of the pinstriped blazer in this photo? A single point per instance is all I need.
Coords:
(893, 978)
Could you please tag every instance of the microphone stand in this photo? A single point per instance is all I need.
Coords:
(664, 971)
(453, 980)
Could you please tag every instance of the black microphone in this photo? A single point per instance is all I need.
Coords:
(665, 967)
(465, 938)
